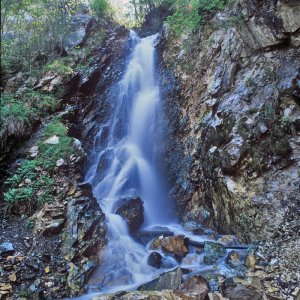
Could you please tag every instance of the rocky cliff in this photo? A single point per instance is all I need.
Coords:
(234, 155)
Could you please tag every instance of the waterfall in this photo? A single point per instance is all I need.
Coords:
(126, 164)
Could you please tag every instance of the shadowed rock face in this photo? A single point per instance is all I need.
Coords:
(132, 210)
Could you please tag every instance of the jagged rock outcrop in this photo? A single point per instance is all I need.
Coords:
(234, 149)
(239, 135)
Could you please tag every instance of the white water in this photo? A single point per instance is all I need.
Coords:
(128, 166)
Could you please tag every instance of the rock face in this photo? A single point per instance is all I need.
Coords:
(234, 148)
(234, 128)
(132, 210)
(79, 30)
(166, 281)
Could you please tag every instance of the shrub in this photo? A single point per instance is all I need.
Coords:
(60, 67)
(100, 7)
(188, 14)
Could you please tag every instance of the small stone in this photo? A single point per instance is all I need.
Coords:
(6, 249)
(32, 288)
(5, 287)
(27, 181)
(49, 284)
(33, 151)
(250, 261)
(12, 277)
(60, 162)
(233, 259)
(54, 140)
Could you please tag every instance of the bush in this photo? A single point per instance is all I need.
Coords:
(59, 67)
(188, 14)
(100, 7)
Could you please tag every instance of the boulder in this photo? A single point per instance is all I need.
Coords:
(132, 210)
(166, 281)
(213, 251)
(235, 291)
(155, 260)
(196, 288)
(176, 245)
(80, 26)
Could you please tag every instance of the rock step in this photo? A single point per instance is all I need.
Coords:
(167, 233)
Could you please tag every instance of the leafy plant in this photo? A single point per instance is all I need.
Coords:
(60, 67)
(100, 7)
(188, 14)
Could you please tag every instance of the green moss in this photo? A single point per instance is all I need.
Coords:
(32, 183)
(59, 66)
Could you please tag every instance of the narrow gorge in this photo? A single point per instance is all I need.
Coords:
(156, 161)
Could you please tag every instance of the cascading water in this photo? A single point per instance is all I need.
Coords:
(125, 163)
(127, 160)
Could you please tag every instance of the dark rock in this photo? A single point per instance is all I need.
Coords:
(213, 252)
(196, 287)
(240, 291)
(6, 248)
(155, 260)
(132, 210)
(166, 281)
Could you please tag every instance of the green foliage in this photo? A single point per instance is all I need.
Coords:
(30, 28)
(188, 14)
(100, 7)
(59, 67)
(26, 107)
(32, 183)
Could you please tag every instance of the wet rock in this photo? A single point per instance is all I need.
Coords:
(5, 290)
(233, 259)
(166, 281)
(132, 210)
(176, 245)
(250, 261)
(153, 295)
(6, 248)
(213, 252)
(155, 260)
(236, 291)
(196, 287)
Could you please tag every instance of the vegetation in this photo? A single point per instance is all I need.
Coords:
(32, 184)
(189, 14)
(31, 30)
(100, 7)
(27, 107)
